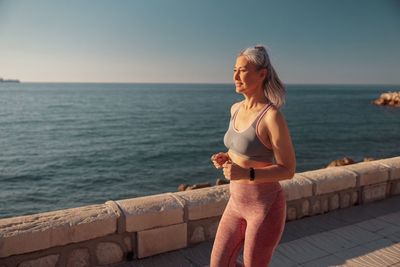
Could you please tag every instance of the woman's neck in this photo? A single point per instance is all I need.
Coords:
(255, 100)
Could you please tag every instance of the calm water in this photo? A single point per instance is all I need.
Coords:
(69, 145)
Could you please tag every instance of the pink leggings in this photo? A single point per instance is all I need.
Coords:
(254, 217)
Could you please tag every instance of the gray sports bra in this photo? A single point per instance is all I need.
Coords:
(246, 143)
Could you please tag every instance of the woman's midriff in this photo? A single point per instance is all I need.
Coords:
(246, 163)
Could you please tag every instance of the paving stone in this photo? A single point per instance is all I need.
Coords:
(355, 234)
(390, 204)
(301, 251)
(395, 237)
(325, 221)
(352, 252)
(393, 218)
(301, 228)
(377, 253)
(378, 244)
(355, 214)
(385, 249)
(379, 227)
(369, 260)
(373, 225)
(169, 259)
(330, 260)
(329, 242)
(199, 254)
(279, 260)
(287, 237)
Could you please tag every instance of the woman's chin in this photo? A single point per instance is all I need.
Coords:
(239, 89)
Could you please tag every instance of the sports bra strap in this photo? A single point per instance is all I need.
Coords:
(263, 111)
(260, 114)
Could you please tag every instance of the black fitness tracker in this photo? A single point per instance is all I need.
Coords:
(252, 174)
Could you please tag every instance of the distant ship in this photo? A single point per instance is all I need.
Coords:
(8, 80)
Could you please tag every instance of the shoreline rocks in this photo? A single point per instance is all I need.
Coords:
(388, 99)
(346, 161)
(185, 187)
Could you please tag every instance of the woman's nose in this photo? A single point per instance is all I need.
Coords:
(236, 76)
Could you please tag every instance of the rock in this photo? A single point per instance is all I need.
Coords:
(221, 181)
(341, 162)
(79, 258)
(197, 186)
(368, 159)
(109, 253)
(388, 99)
(46, 261)
(182, 187)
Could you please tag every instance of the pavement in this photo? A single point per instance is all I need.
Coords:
(359, 236)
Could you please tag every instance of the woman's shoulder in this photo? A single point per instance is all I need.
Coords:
(235, 106)
(273, 117)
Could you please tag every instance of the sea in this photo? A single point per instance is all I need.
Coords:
(65, 145)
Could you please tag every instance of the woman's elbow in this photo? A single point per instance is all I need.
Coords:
(291, 172)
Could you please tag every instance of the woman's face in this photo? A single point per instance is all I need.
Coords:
(246, 76)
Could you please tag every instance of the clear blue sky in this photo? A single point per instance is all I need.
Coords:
(336, 41)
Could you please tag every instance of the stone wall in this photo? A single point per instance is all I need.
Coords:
(123, 230)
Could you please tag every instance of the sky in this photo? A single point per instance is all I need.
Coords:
(184, 41)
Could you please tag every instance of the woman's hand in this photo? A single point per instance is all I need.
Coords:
(233, 171)
(219, 159)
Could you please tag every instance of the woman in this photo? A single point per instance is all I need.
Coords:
(260, 155)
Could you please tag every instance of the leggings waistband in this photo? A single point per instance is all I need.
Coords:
(255, 193)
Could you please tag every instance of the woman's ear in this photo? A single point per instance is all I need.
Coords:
(263, 73)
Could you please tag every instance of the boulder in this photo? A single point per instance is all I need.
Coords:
(388, 99)
(341, 162)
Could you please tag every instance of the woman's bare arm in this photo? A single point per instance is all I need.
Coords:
(274, 128)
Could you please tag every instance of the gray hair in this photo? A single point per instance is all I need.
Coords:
(273, 87)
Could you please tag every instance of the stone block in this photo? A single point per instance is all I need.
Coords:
(373, 192)
(202, 230)
(298, 187)
(47, 261)
(205, 202)
(394, 167)
(40, 231)
(315, 207)
(109, 253)
(128, 242)
(163, 239)
(395, 188)
(334, 202)
(305, 207)
(345, 200)
(79, 258)
(324, 204)
(211, 229)
(151, 211)
(330, 180)
(369, 172)
(291, 213)
(198, 235)
(354, 198)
